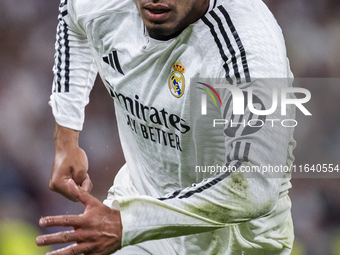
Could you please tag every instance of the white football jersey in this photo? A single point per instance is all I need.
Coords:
(165, 190)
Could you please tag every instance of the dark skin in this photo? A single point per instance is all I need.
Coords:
(165, 19)
(70, 162)
(94, 231)
(98, 231)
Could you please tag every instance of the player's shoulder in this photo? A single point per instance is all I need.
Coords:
(244, 16)
(243, 33)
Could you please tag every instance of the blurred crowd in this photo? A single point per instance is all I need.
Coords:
(27, 36)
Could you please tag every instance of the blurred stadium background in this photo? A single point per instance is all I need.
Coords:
(27, 35)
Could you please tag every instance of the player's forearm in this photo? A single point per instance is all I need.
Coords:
(70, 162)
(204, 207)
(145, 218)
(65, 137)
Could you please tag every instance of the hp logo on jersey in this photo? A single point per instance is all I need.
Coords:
(176, 80)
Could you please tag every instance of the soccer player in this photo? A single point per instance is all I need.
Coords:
(155, 58)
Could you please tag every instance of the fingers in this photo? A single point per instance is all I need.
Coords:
(70, 162)
(84, 197)
(58, 238)
(75, 221)
(62, 188)
(79, 167)
(97, 231)
(62, 221)
(73, 249)
(87, 184)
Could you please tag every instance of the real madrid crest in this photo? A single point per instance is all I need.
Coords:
(176, 80)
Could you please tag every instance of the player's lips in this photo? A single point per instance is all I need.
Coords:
(156, 12)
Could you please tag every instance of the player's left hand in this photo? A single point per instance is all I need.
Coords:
(97, 231)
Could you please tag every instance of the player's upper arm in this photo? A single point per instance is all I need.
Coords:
(74, 69)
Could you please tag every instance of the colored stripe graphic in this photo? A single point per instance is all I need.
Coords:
(207, 91)
(213, 90)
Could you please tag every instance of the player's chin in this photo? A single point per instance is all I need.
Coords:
(162, 31)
